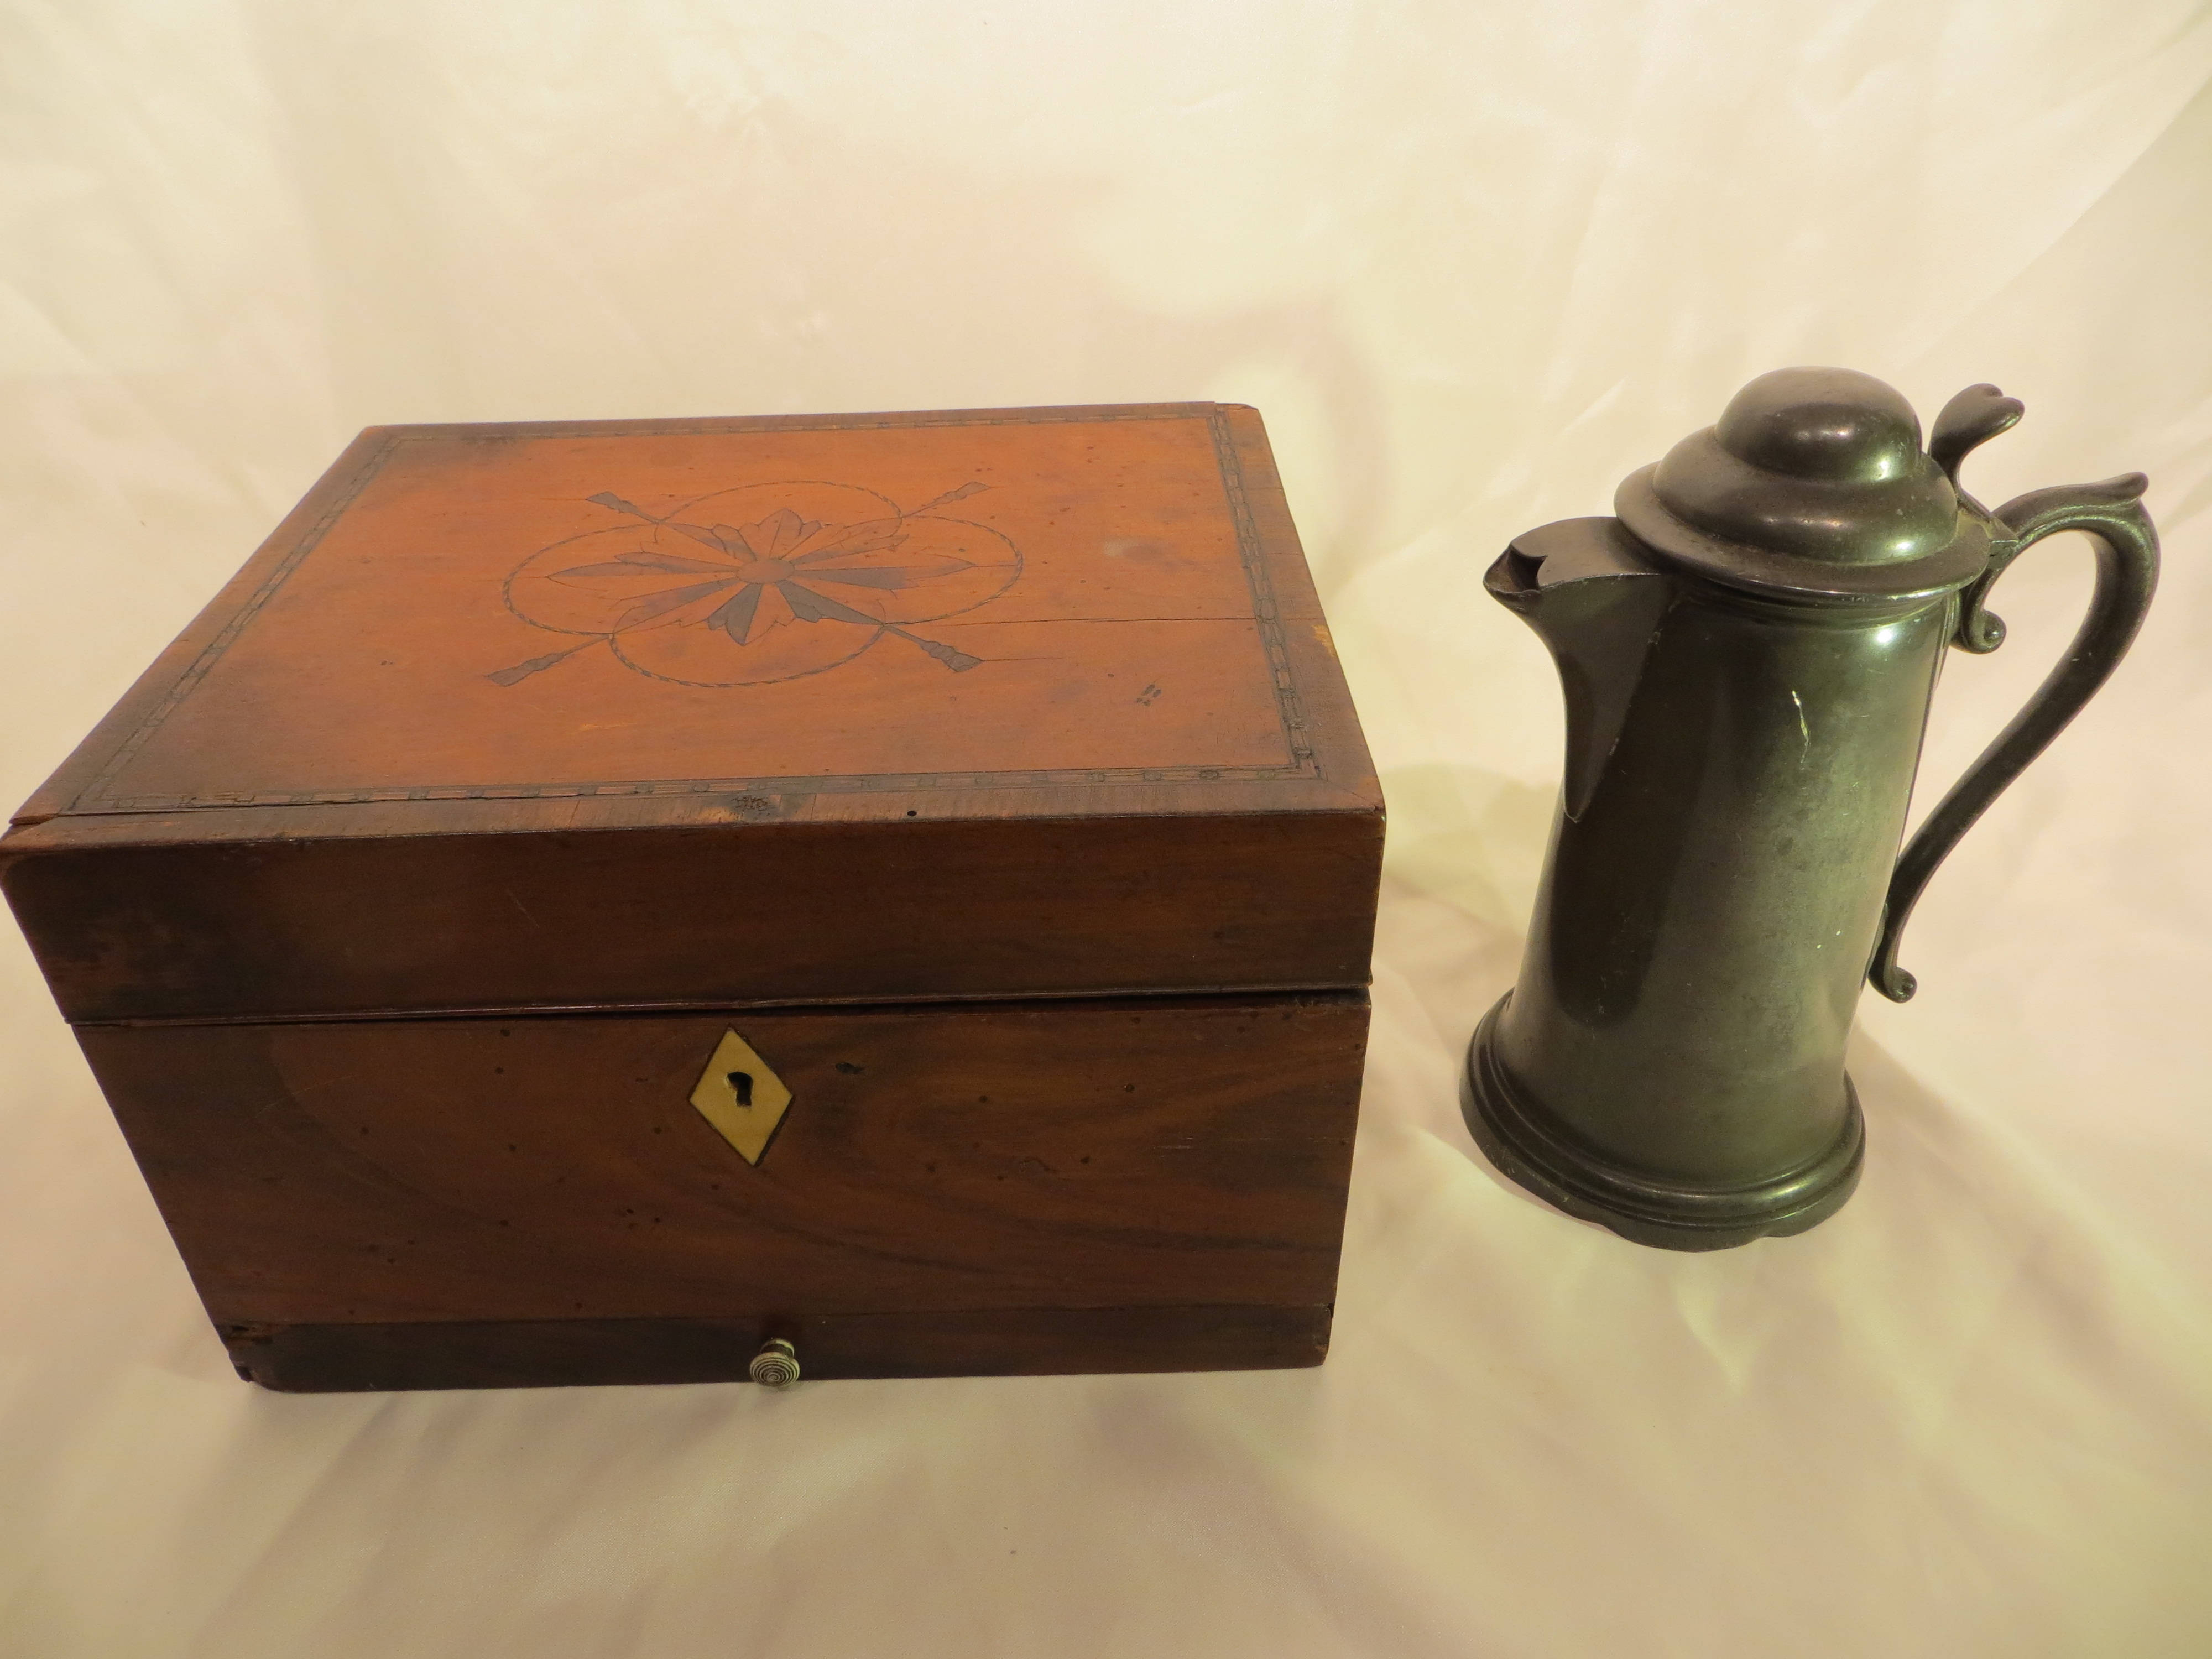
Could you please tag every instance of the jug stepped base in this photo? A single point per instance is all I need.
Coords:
(1522, 1140)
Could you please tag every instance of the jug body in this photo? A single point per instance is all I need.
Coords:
(1671, 1055)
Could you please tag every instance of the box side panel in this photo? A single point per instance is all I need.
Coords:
(953, 1161)
(775, 914)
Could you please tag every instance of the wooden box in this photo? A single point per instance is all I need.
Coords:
(591, 899)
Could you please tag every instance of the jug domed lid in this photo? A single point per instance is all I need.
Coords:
(1813, 484)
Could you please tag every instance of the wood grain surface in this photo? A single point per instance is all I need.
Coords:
(771, 914)
(1004, 1159)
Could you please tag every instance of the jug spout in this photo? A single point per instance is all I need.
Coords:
(1594, 596)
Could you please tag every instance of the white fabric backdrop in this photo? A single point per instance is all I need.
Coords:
(1475, 261)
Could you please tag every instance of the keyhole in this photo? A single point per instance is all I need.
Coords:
(743, 1083)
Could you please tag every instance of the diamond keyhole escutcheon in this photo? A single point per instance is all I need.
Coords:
(741, 1097)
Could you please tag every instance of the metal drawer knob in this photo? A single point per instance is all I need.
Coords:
(776, 1365)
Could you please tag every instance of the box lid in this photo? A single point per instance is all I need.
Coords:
(690, 712)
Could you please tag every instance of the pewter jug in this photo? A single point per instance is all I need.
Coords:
(1748, 650)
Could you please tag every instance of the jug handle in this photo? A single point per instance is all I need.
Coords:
(2112, 515)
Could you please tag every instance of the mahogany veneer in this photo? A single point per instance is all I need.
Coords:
(990, 774)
